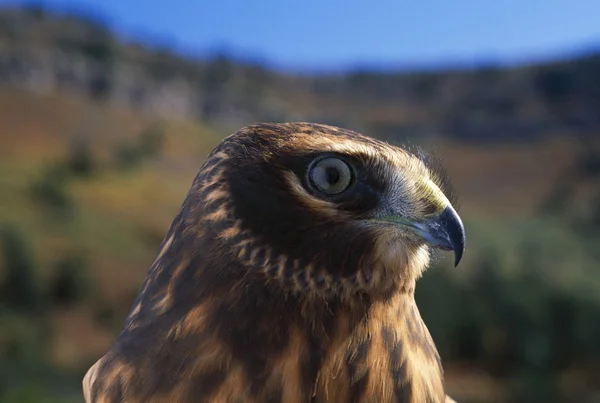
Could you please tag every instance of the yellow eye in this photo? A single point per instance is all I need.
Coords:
(330, 175)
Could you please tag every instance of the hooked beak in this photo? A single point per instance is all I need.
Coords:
(444, 231)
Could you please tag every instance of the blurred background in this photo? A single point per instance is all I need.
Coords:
(108, 108)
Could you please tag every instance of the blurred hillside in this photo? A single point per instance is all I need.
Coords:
(49, 52)
(100, 140)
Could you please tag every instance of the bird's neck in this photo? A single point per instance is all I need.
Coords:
(380, 349)
(269, 343)
(386, 351)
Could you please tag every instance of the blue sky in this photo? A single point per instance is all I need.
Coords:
(302, 34)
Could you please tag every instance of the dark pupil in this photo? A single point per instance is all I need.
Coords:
(332, 175)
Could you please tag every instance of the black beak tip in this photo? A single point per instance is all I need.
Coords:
(455, 231)
(457, 256)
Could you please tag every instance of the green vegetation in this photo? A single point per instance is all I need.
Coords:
(69, 284)
(129, 155)
(19, 291)
(80, 159)
(26, 331)
(32, 291)
(51, 190)
(519, 314)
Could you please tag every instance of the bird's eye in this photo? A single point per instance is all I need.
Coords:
(330, 175)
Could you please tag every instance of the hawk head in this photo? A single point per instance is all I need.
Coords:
(289, 273)
(324, 210)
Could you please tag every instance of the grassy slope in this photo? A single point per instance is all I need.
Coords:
(121, 217)
(118, 216)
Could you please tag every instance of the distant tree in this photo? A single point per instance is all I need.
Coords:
(69, 283)
(130, 154)
(51, 189)
(554, 84)
(487, 72)
(98, 47)
(588, 68)
(589, 160)
(361, 78)
(99, 86)
(423, 86)
(127, 156)
(162, 65)
(594, 219)
(558, 199)
(18, 289)
(217, 73)
(80, 158)
(105, 315)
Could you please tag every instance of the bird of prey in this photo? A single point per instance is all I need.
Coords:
(288, 276)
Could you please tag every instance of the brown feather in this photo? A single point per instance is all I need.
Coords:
(263, 292)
